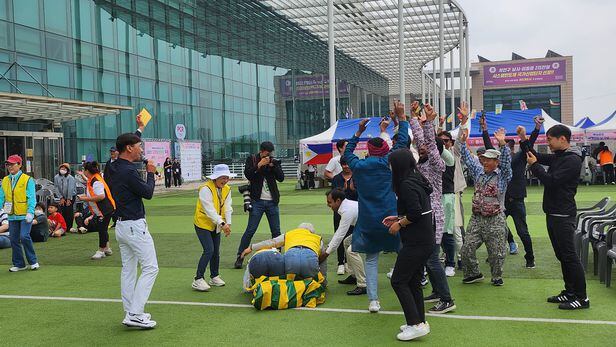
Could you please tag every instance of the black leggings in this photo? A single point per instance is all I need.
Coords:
(406, 281)
(68, 213)
(101, 225)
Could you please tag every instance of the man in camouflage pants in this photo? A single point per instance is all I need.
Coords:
(491, 175)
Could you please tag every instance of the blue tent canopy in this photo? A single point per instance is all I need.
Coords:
(585, 123)
(606, 120)
(508, 119)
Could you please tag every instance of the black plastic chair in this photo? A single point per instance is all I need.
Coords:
(601, 205)
(583, 225)
(610, 256)
(597, 238)
(592, 232)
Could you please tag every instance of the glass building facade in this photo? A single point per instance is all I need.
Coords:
(534, 97)
(161, 55)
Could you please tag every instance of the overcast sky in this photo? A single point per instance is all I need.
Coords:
(584, 29)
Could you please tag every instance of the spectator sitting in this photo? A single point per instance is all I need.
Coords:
(40, 226)
(82, 219)
(57, 225)
(5, 242)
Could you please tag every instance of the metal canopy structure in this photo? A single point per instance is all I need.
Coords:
(30, 107)
(367, 31)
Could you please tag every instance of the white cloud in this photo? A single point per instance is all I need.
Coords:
(584, 29)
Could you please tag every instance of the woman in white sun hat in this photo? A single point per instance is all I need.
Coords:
(212, 216)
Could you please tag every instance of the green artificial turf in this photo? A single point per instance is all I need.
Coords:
(67, 271)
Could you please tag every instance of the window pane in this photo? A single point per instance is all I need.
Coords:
(108, 81)
(58, 74)
(26, 12)
(58, 47)
(85, 20)
(4, 9)
(6, 34)
(56, 19)
(146, 88)
(107, 31)
(28, 40)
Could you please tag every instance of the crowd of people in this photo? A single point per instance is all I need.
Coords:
(404, 197)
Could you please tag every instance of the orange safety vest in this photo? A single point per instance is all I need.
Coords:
(106, 206)
(605, 157)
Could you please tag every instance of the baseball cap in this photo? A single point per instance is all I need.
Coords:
(14, 159)
(481, 150)
(491, 154)
(113, 149)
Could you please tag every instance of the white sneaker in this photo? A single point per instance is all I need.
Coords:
(98, 255)
(340, 270)
(200, 285)
(374, 306)
(413, 332)
(35, 266)
(139, 321)
(217, 282)
(450, 271)
(82, 230)
(402, 327)
(73, 230)
(390, 273)
(15, 268)
(108, 251)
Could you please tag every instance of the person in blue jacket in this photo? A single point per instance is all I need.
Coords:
(376, 200)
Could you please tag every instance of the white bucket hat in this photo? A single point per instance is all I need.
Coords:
(221, 170)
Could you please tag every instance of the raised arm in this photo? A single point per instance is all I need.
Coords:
(349, 154)
(403, 126)
(474, 168)
(487, 141)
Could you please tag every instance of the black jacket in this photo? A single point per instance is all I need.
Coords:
(516, 189)
(414, 204)
(128, 189)
(257, 176)
(560, 181)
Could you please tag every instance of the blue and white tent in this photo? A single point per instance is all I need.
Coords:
(585, 123)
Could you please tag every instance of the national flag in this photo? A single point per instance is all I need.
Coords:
(552, 103)
(498, 108)
(317, 154)
(523, 105)
(450, 118)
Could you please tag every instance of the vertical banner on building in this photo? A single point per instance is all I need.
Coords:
(157, 152)
(190, 160)
(498, 108)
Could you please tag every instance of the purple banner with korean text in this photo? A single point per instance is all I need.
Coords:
(310, 87)
(525, 73)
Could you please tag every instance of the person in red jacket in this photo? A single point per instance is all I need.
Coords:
(57, 224)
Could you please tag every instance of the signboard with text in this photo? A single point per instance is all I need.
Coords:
(157, 152)
(525, 73)
(310, 87)
(190, 160)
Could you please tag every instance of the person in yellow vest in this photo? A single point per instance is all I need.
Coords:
(302, 248)
(18, 200)
(212, 216)
(101, 204)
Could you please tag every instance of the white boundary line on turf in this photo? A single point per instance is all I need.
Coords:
(319, 309)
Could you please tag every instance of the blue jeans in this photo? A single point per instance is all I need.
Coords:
(266, 263)
(210, 241)
(259, 207)
(19, 232)
(372, 275)
(436, 273)
(302, 262)
(449, 247)
(5, 241)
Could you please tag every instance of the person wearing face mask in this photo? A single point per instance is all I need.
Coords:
(134, 239)
(18, 200)
(65, 183)
(212, 215)
(101, 204)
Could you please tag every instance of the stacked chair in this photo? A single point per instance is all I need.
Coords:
(610, 255)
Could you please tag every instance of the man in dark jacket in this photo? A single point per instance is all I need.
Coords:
(262, 171)
(516, 189)
(560, 182)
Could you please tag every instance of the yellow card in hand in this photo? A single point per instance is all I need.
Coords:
(146, 117)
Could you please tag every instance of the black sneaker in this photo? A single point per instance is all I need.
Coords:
(530, 264)
(498, 283)
(349, 280)
(432, 298)
(443, 307)
(575, 304)
(238, 263)
(561, 298)
(473, 279)
(357, 291)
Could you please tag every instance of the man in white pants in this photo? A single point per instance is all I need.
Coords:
(348, 210)
(134, 239)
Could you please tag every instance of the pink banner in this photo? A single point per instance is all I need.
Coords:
(525, 73)
(157, 151)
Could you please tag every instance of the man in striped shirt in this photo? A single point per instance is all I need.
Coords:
(5, 242)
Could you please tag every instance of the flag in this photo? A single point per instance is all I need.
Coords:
(498, 108)
(552, 103)
(523, 105)
(450, 118)
(317, 154)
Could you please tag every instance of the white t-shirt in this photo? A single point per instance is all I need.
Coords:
(99, 189)
(265, 192)
(334, 165)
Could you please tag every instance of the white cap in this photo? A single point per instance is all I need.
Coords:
(221, 170)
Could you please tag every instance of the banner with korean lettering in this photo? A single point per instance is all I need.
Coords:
(157, 152)
(190, 160)
(525, 73)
